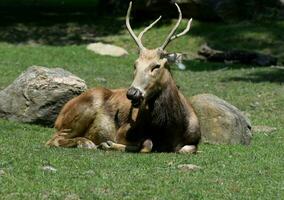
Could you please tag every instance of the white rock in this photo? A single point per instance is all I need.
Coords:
(107, 49)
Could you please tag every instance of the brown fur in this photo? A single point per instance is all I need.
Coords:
(100, 115)
(163, 121)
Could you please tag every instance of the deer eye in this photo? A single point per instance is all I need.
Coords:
(155, 67)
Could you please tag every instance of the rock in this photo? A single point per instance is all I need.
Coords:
(107, 49)
(188, 167)
(38, 94)
(2, 172)
(72, 197)
(263, 129)
(48, 168)
(100, 80)
(221, 122)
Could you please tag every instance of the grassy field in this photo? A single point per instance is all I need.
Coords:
(228, 172)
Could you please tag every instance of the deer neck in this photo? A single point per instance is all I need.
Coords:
(166, 108)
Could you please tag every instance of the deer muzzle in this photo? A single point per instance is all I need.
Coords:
(135, 95)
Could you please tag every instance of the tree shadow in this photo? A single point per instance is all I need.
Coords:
(264, 37)
(267, 38)
(56, 28)
(200, 65)
(63, 28)
(83, 27)
(272, 76)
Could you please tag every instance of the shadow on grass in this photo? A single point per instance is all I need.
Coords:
(77, 28)
(264, 37)
(275, 76)
(199, 65)
(272, 75)
(55, 28)
(59, 29)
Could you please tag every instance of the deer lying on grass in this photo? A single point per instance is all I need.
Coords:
(152, 115)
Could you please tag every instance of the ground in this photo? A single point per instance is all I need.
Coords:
(227, 172)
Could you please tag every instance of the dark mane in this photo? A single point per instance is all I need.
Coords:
(167, 119)
(167, 109)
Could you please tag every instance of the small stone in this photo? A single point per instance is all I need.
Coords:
(100, 80)
(107, 49)
(255, 104)
(72, 197)
(263, 129)
(90, 172)
(188, 167)
(49, 168)
(2, 172)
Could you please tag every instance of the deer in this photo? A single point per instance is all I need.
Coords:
(152, 115)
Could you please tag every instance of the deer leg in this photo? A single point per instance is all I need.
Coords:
(188, 149)
(61, 141)
(109, 145)
(146, 146)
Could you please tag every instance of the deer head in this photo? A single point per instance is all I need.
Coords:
(151, 69)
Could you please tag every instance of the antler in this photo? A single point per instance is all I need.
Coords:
(171, 36)
(148, 28)
(137, 40)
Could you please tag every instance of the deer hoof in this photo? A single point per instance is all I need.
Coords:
(188, 149)
(110, 143)
(104, 146)
(86, 145)
(147, 146)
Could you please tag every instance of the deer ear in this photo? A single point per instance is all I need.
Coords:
(173, 58)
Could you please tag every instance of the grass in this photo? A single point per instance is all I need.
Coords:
(228, 172)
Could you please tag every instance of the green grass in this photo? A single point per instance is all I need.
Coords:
(228, 172)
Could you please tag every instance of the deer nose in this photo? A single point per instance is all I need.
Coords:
(133, 93)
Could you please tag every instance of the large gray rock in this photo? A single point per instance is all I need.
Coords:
(38, 94)
(221, 122)
(107, 49)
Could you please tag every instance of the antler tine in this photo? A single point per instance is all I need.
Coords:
(174, 29)
(171, 36)
(138, 42)
(147, 28)
(184, 32)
